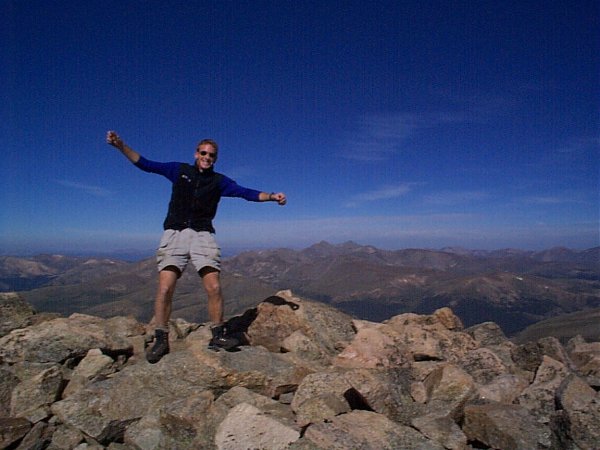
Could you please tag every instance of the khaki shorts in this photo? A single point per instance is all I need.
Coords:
(178, 248)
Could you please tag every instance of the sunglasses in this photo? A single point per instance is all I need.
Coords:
(205, 153)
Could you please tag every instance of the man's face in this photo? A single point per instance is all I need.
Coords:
(205, 156)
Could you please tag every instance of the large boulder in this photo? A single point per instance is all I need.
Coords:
(367, 430)
(16, 313)
(407, 338)
(506, 427)
(578, 414)
(287, 323)
(58, 340)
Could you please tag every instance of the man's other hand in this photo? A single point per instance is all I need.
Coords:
(112, 138)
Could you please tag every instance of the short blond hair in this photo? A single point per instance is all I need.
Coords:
(210, 142)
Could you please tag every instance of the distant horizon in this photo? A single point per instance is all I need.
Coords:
(133, 254)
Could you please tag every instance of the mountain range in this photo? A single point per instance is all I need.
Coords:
(514, 288)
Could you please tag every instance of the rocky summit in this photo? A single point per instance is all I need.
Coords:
(306, 377)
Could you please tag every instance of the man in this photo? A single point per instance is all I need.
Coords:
(189, 234)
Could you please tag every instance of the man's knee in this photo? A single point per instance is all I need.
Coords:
(212, 287)
(211, 281)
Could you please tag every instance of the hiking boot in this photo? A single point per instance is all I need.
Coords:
(160, 347)
(221, 340)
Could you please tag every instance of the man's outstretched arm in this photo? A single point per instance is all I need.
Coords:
(278, 197)
(113, 139)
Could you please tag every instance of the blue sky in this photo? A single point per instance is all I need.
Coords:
(392, 123)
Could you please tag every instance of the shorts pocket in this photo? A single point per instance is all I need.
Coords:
(166, 239)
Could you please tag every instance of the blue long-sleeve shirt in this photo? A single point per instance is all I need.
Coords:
(195, 195)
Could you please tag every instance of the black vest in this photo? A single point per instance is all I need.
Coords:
(194, 199)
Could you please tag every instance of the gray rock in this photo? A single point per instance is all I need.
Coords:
(105, 408)
(527, 356)
(320, 408)
(575, 424)
(271, 374)
(586, 358)
(487, 334)
(550, 346)
(248, 427)
(448, 388)
(329, 329)
(32, 398)
(235, 396)
(385, 391)
(442, 430)
(574, 394)
(60, 339)
(172, 424)
(422, 338)
(65, 438)
(505, 388)
(373, 346)
(322, 385)
(8, 381)
(367, 430)
(93, 365)
(347, 384)
(148, 434)
(506, 427)
(539, 396)
(38, 437)
(12, 429)
(14, 312)
(483, 365)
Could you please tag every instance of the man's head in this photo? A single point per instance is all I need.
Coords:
(206, 153)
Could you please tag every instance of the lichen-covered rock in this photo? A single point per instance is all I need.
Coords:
(505, 388)
(539, 396)
(172, 424)
(8, 381)
(442, 430)
(14, 312)
(575, 423)
(32, 398)
(306, 377)
(372, 347)
(448, 388)
(586, 358)
(94, 364)
(12, 429)
(367, 430)
(509, 427)
(283, 315)
(57, 340)
(246, 426)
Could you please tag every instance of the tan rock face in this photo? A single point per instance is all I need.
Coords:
(57, 340)
(307, 377)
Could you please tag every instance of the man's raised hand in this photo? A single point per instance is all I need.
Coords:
(113, 139)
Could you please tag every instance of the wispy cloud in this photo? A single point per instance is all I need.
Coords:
(379, 136)
(580, 145)
(96, 191)
(384, 193)
(554, 199)
(455, 197)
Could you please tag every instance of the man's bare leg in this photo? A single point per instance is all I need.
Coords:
(211, 279)
(212, 284)
(167, 279)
